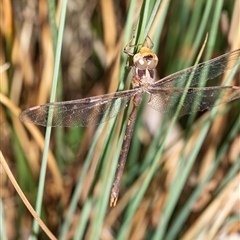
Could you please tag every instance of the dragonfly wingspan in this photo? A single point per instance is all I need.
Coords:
(82, 112)
(196, 99)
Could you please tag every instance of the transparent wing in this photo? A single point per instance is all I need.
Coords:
(82, 112)
(205, 71)
(197, 99)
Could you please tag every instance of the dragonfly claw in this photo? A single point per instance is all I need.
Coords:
(113, 199)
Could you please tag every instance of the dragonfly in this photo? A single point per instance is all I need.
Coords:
(164, 96)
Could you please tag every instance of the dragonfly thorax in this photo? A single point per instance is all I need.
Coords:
(142, 78)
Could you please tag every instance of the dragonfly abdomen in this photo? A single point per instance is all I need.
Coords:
(124, 150)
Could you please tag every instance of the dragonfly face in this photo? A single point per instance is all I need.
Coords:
(164, 97)
(145, 59)
(145, 62)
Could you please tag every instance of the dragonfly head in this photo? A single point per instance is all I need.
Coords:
(145, 59)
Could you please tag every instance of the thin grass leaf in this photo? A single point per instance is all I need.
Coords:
(48, 130)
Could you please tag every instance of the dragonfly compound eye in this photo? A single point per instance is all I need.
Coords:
(153, 62)
(139, 61)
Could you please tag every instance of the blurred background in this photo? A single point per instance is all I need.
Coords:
(186, 189)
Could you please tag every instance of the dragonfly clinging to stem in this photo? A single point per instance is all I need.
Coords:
(164, 97)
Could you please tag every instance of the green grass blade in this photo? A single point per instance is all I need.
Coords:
(48, 130)
(83, 220)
